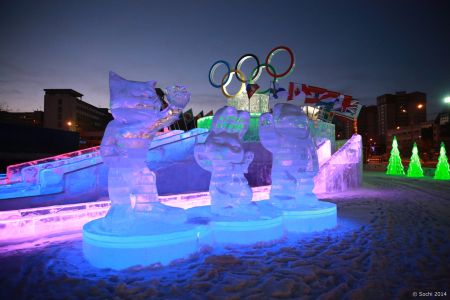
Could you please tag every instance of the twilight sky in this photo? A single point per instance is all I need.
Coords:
(360, 48)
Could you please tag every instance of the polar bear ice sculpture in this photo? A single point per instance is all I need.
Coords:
(223, 155)
(286, 134)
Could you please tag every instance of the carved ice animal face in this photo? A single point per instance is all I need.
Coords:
(227, 130)
(133, 101)
(290, 121)
(225, 147)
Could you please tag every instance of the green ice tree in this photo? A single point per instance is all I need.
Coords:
(442, 169)
(415, 168)
(395, 166)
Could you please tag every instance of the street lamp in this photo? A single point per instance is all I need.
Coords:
(420, 106)
(447, 99)
(69, 123)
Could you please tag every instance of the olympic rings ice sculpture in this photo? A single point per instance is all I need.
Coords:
(255, 74)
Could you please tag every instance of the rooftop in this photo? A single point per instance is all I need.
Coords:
(63, 91)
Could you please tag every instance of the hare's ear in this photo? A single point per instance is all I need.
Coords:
(115, 76)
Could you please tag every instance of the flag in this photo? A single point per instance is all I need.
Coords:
(251, 89)
(277, 92)
(349, 109)
(294, 91)
(329, 100)
(312, 93)
(345, 101)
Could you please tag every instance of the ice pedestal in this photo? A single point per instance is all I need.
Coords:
(156, 244)
(261, 223)
(314, 217)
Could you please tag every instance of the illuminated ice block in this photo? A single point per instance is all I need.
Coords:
(343, 170)
(286, 134)
(258, 103)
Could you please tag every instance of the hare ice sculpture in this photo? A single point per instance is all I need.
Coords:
(286, 134)
(137, 117)
(223, 155)
(147, 232)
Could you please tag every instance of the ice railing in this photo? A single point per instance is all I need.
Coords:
(28, 172)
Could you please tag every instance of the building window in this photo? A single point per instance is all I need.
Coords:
(59, 124)
(59, 101)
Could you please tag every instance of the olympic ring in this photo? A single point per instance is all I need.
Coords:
(241, 61)
(291, 65)
(267, 66)
(212, 70)
(227, 81)
(255, 74)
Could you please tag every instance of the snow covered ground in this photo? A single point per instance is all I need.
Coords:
(392, 240)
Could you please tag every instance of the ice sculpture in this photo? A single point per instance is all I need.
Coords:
(295, 163)
(415, 168)
(223, 155)
(137, 117)
(395, 166)
(442, 169)
(343, 170)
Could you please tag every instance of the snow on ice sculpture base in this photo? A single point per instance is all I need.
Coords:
(161, 243)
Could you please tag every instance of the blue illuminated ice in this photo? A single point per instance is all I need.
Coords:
(137, 117)
(286, 134)
(223, 155)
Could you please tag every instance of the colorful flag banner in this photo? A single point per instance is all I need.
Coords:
(349, 109)
(277, 92)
